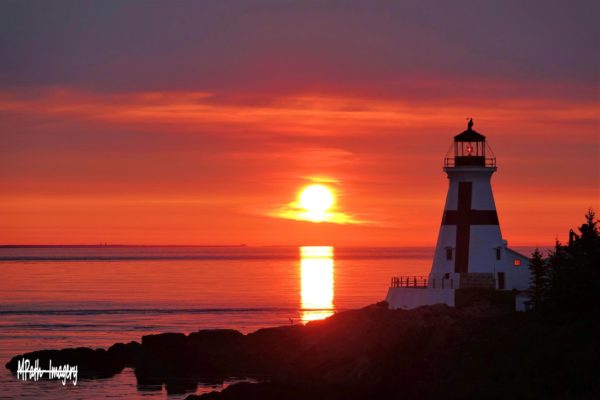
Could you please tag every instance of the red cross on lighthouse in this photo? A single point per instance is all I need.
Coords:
(463, 218)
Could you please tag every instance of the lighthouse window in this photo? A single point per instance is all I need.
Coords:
(498, 253)
(449, 253)
(517, 262)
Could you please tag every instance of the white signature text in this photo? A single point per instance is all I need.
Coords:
(32, 371)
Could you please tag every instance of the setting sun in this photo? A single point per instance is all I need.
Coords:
(316, 200)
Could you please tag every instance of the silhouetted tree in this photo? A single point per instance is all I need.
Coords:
(557, 272)
(589, 230)
(583, 264)
(574, 269)
(538, 283)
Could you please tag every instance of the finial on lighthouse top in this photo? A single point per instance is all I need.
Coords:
(469, 135)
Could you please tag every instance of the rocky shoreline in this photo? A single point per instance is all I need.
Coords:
(477, 351)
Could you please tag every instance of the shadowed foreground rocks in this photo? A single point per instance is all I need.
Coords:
(479, 351)
(98, 363)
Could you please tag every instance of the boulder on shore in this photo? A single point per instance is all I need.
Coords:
(91, 363)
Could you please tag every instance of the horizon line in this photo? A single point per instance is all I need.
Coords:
(106, 245)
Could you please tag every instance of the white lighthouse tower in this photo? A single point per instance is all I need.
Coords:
(470, 250)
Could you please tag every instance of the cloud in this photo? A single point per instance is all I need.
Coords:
(299, 115)
(295, 212)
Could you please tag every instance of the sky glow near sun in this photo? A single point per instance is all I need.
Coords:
(316, 202)
(233, 166)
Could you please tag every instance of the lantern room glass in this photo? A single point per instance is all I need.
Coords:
(469, 149)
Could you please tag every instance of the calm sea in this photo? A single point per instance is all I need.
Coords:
(57, 297)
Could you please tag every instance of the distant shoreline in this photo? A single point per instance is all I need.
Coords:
(95, 246)
(103, 246)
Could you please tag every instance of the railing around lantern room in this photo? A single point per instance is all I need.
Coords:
(450, 162)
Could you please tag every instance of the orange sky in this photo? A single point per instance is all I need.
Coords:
(126, 130)
(180, 168)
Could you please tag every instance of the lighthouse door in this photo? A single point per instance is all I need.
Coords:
(501, 282)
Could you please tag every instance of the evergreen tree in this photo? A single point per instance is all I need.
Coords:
(574, 270)
(583, 265)
(557, 272)
(589, 230)
(538, 281)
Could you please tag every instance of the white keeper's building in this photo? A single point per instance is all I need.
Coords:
(470, 250)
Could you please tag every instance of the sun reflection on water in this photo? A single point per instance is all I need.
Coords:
(316, 275)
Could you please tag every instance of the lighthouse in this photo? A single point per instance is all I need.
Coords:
(470, 250)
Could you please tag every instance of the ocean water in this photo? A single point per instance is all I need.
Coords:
(57, 297)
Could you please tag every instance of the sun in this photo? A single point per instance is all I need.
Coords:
(316, 200)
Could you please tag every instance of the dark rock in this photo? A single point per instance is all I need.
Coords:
(90, 363)
(181, 361)
(125, 354)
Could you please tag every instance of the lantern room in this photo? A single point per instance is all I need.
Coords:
(470, 149)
